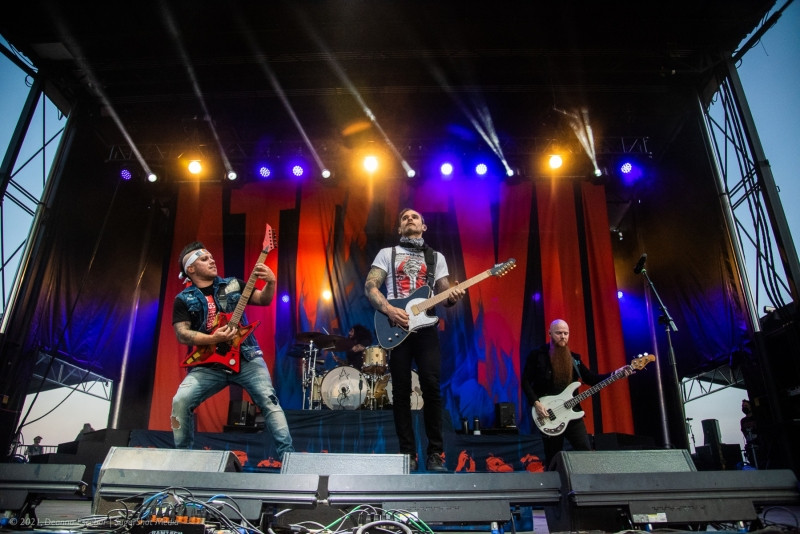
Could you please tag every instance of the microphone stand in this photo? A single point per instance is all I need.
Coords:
(669, 326)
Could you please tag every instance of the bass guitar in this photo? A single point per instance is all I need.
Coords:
(420, 302)
(560, 407)
(227, 353)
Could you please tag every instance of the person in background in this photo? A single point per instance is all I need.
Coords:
(85, 430)
(360, 338)
(36, 448)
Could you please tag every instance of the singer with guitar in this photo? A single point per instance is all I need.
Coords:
(405, 268)
(222, 351)
(548, 370)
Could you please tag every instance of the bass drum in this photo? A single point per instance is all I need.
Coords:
(344, 388)
(384, 386)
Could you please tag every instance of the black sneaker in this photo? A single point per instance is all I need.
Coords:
(435, 463)
(412, 464)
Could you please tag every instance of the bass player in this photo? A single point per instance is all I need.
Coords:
(548, 370)
(197, 318)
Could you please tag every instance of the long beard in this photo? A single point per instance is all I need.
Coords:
(561, 360)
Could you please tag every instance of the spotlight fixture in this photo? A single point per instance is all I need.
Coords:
(297, 170)
(481, 169)
(446, 169)
(264, 171)
(326, 173)
(231, 175)
(411, 173)
(152, 177)
(555, 161)
(371, 164)
(195, 167)
(125, 173)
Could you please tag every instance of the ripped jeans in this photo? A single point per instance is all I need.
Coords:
(203, 382)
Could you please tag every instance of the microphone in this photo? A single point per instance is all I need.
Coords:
(640, 264)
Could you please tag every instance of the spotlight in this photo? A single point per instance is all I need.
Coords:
(152, 177)
(264, 171)
(326, 173)
(630, 171)
(125, 173)
(285, 298)
(411, 173)
(297, 170)
(481, 169)
(231, 175)
(446, 169)
(195, 167)
(555, 161)
(371, 164)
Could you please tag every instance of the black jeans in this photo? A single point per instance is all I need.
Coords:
(420, 347)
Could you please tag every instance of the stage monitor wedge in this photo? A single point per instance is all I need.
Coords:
(24, 486)
(133, 473)
(458, 498)
(617, 490)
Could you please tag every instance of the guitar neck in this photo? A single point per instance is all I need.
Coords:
(238, 312)
(620, 373)
(444, 295)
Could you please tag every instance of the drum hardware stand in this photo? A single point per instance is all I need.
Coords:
(309, 377)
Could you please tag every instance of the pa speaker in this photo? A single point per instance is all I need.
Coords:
(614, 490)
(24, 486)
(304, 463)
(139, 461)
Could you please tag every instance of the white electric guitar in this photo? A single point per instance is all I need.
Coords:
(560, 407)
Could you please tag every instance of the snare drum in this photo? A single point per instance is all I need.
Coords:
(344, 388)
(416, 391)
(374, 360)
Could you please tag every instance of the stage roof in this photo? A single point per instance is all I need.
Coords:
(257, 74)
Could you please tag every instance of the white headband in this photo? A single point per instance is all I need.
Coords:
(191, 259)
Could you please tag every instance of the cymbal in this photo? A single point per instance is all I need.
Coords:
(330, 342)
(308, 337)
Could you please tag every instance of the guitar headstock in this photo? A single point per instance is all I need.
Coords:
(502, 268)
(641, 360)
(270, 240)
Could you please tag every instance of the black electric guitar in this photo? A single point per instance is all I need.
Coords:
(420, 302)
(559, 407)
(227, 353)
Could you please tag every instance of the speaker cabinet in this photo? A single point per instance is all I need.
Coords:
(505, 415)
(621, 490)
(304, 463)
(241, 413)
(139, 461)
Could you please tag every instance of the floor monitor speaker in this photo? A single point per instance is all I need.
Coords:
(304, 463)
(625, 490)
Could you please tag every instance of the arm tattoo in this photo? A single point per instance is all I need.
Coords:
(375, 279)
(183, 333)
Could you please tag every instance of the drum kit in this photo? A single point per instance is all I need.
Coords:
(345, 387)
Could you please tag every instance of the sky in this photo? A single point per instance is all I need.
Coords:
(770, 74)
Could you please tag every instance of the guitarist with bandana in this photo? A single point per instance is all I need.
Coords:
(199, 318)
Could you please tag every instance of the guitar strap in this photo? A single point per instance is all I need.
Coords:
(577, 370)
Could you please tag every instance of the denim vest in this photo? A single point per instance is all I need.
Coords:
(227, 292)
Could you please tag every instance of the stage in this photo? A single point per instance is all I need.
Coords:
(365, 432)
(347, 474)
